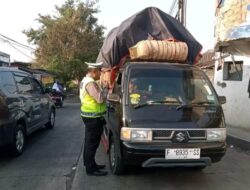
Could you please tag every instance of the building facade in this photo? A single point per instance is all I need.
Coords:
(4, 59)
(232, 65)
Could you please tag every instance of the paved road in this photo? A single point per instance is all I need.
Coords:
(232, 173)
(49, 157)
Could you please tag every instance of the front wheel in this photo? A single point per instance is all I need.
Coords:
(115, 161)
(19, 140)
(61, 103)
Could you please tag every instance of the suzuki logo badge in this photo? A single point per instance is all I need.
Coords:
(180, 136)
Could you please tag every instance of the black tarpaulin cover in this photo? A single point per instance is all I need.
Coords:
(148, 22)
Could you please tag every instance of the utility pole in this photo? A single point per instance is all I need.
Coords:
(180, 14)
(182, 11)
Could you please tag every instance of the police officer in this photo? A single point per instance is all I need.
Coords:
(93, 108)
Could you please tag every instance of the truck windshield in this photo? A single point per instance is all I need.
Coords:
(178, 87)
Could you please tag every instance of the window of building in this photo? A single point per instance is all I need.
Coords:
(232, 71)
(8, 83)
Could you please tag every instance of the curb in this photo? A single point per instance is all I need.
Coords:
(234, 140)
(77, 183)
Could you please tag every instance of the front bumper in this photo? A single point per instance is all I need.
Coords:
(153, 154)
(162, 162)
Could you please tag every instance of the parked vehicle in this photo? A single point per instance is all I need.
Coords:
(24, 108)
(163, 115)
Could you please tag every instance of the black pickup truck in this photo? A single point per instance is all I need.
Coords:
(163, 115)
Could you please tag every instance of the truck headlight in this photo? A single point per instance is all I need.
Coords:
(218, 134)
(136, 135)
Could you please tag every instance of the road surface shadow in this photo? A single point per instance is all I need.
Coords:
(7, 155)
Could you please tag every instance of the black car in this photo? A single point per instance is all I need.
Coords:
(24, 108)
(164, 115)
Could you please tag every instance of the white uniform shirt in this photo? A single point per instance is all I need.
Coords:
(88, 84)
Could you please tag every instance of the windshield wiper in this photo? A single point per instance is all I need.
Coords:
(200, 103)
(153, 102)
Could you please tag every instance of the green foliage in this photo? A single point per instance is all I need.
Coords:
(65, 41)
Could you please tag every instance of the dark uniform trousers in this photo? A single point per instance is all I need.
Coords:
(93, 133)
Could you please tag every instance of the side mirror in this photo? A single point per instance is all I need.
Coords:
(222, 99)
(113, 98)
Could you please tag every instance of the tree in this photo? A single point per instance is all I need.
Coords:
(65, 41)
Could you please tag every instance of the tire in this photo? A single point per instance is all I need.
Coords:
(216, 159)
(115, 162)
(51, 122)
(61, 104)
(19, 142)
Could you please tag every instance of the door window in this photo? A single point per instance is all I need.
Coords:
(36, 87)
(23, 84)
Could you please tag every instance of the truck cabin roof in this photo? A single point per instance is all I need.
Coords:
(161, 65)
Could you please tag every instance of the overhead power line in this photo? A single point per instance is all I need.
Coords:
(178, 10)
(18, 43)
(19, 50)
(173, 7)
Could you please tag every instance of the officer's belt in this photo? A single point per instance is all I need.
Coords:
(91, 114)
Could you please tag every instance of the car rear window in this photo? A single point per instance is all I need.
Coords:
(8, 83)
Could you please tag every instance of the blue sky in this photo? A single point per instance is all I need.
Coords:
(16, 15)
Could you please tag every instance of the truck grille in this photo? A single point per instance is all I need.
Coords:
(167, 134)
(159, 134)
(197, 133)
